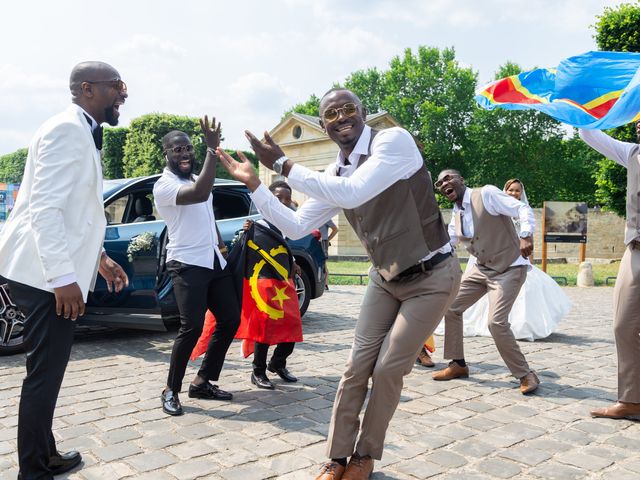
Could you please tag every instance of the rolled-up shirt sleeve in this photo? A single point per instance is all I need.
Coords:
(499, 203)
(312, 214)
(394, 156)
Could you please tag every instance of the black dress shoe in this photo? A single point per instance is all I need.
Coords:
(261, 380)
(284, 374)
(171, 403)
(63, 462)
(208, 392)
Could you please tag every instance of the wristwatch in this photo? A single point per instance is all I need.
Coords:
(279, 164)
(525, 234)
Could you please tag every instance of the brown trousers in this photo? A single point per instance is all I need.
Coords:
(626, 326)
(502, 290)
(395, 318)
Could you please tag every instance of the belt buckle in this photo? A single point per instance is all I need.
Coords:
(424, 265)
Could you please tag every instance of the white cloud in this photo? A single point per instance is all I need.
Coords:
(149, 45)
(260, 91)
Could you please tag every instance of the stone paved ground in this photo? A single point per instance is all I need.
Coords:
(480, 428)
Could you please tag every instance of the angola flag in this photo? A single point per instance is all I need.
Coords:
(263, 266)
(595, 90)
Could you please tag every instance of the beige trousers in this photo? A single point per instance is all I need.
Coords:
(395, 318)
(502, 290)
(626, 326)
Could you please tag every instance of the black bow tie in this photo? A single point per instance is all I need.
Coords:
(96, 132)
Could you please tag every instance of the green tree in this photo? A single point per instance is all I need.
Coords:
(310, 107)
(12, 166)
(616, 29)
(113, 152)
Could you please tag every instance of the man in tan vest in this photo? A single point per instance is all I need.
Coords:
(626, 297)
(481, 221)
(379, 180)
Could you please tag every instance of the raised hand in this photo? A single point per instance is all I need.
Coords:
(242, 170)
(211, 133)
(267, 152)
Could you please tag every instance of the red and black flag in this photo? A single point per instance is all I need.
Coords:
(263, 264)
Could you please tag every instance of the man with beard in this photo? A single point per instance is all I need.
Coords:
(481, 221)
(51, 252)
(380, 181)
(196, 264)
(626, 301)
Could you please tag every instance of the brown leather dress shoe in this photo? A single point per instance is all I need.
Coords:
(424, 359)
(359, 468)
(619, 411)
(453, 370)
(331, 471)
(529, 383)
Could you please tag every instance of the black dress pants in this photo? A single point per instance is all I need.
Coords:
(47, 340)
(278, 359)
(198, 289)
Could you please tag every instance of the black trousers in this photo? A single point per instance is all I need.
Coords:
(278, 359)
(47, 340)
(196, 289)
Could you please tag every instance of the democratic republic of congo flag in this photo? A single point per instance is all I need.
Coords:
(596, 90)
(263, 265)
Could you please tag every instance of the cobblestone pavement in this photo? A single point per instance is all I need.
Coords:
(479, 428)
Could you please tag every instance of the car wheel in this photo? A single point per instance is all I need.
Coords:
(11, 324)
(303, 289)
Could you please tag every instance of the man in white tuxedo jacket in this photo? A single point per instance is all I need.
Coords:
(51, 251)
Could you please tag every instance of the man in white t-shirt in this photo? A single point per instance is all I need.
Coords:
(196, 264)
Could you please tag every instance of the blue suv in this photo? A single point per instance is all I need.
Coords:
(148, 302)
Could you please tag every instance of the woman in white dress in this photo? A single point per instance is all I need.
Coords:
(540, 305)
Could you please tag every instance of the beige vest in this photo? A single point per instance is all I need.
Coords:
(495, 242)
(632, 227)
(401, 225)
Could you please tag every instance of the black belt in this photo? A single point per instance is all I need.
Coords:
(634, 244)
(426, 265)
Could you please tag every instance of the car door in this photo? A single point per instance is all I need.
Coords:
(132, 240)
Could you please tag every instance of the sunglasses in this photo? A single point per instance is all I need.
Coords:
(118, 84)
(446, 178)
(180, 149)
(332, 114)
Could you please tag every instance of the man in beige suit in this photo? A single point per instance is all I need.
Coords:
(626, 323)
(51, 252)
(481, 220)
(380, 182)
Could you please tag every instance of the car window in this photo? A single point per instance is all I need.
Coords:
(116, 209)
(228, 203)
(123, 209)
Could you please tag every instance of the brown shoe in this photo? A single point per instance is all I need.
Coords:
(618, 411)
(331, 471)
(453, 370)
(359, 468)
(529, 383)
(424, 359)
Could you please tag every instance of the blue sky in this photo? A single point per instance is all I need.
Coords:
(247, 61)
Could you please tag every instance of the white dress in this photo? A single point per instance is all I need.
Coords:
(540, 306)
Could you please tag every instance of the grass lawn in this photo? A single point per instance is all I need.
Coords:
(566, 270)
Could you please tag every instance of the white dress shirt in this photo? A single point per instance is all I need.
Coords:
(70, 278)
(496, 202)
(192, 228)
(619, 152)
(394, 156)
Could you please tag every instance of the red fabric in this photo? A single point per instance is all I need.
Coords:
(257, 325)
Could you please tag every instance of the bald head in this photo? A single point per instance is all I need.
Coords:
(90, 72)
